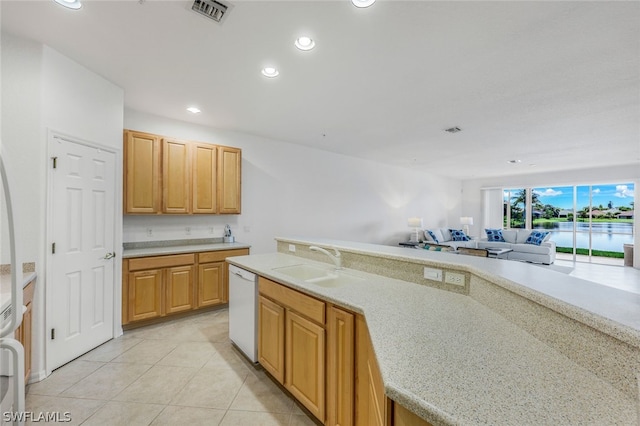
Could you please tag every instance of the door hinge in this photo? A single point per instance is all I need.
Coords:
(53, 334)
(55, 162)
(53, 248)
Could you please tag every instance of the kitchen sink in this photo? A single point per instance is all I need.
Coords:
(318, 276)
(334, 280)
(303, 272)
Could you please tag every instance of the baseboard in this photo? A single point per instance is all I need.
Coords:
(37, 377)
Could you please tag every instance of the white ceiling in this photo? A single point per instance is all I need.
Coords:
(555, 84)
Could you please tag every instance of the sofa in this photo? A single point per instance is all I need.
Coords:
(536, 250)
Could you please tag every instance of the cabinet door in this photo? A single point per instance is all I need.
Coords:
(229, 180)
(340, 367)
(145, 295)
(204, 178)
(271, 337)
(176, 177)
(141, 173)
(304, 362)
(179, 289)
(371, 402)
(210, 284)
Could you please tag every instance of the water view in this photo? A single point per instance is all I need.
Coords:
(605, 236)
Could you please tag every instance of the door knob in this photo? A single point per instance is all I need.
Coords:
(110, 255)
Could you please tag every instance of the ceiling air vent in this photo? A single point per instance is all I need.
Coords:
(211, 9)
(453, 129)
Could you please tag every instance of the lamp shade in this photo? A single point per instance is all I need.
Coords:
(466, 220)
(415, 222)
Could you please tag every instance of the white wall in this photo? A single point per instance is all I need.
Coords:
(43, 90)
(290, 190)
(21, 142)
(472, 189)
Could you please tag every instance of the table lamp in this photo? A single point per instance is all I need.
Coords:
(465, 221)
(416, 223)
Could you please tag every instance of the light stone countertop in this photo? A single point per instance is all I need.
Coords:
(610, 310)
(180, 248)
(5, 285)
(452, 360)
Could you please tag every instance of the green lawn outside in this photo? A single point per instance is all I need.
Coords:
(582, 251)
(541, 221)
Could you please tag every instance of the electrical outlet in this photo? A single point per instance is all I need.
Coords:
(292, 248)
(433, 274)
(247, 229)
(211, 229)
(149, 232)
(454, 278)
(187, 230)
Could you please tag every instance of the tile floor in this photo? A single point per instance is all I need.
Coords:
(181, 372)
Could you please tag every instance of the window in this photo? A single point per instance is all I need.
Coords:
(587, 220)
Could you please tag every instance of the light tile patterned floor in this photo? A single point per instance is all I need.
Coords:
(181, 372)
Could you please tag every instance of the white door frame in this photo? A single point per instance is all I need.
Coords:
(117, 238)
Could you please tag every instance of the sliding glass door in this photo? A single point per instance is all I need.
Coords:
(587, 222)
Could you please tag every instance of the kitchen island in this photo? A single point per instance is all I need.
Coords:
(452, 357)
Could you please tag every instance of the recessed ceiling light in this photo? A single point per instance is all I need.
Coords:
(363, 3)
(71, 4)
(515, 161)
(270, 72)
(194, 110)
(305, 43)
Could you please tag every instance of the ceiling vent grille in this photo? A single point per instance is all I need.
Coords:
(212, 9)
(453, 129)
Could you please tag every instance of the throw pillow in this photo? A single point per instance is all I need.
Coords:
(433, 235)
(494, 235)
(458, 235)
(446, 235)
(509, 235)
(522, 235)
(427, 236)
(536, 237)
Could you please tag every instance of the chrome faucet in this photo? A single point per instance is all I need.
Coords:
(337, 258)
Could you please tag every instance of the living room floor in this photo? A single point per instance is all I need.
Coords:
(620, 277)
(184, 371)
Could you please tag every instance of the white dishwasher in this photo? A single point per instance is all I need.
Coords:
(243, 306)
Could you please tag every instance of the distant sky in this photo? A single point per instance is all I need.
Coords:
(562, 196)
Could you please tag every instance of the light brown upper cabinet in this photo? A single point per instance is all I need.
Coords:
(141, 173)
(176, 177)
(229, 180)
(204, 164)
(168, 176)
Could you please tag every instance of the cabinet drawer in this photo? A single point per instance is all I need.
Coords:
(306, 305)
(140, 263)
(220, 255)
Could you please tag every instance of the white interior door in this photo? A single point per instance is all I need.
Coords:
(81, 285)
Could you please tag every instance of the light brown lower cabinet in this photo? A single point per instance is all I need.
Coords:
(271, 337)
(210, 284)
(179, 287)
(373, 407)
(304, 362)
(298, 361)
(158, 286)
(340, 371)
(24, 333)
(404, 417)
